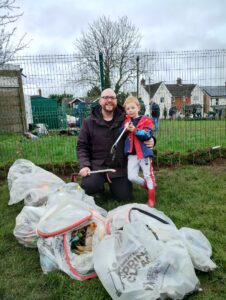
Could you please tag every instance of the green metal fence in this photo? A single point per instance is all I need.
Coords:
(191, 84)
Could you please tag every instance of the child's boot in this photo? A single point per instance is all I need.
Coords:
(151, 198)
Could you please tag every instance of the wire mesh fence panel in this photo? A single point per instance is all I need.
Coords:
(190, 89)
(43, 100)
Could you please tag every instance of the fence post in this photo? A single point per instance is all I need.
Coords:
(138, 77)
(101, 71)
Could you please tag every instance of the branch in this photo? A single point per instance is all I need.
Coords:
(8, 47)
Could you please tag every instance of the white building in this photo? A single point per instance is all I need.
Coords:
(177, 95)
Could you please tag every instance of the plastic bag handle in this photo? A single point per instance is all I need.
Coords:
(148, 214)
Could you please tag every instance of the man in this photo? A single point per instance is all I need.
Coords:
(98, 133)
(155, 113)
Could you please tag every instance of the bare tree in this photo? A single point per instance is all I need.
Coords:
(8, 18)
(117, 40)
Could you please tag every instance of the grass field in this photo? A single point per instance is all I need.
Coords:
(46, 149)
(178, 135)
(192, 196)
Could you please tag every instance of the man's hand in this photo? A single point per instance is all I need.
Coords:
(84, 172)
(150, 143)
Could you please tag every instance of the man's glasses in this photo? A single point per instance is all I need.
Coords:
(108, 97)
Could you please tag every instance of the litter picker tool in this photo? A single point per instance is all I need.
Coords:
(74, 175)
(114, 146)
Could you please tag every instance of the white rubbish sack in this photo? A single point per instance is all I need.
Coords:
(31, 183)
(146, 256)
(125, 214)
(136, 265)
(199, 249)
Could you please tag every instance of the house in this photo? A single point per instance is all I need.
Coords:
(179, 95)
(81, 109)
(75, 103)
(215, 98)
(158, 93)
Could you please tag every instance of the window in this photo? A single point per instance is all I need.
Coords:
(162, 100)
(195, 99)
(217, 101)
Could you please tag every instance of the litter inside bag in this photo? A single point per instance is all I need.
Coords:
(81, 239)
(71, 252)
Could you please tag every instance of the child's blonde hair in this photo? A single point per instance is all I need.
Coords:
(131, 99)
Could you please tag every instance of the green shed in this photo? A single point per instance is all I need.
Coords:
(48, 111)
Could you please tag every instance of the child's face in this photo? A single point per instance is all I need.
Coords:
(132, 110)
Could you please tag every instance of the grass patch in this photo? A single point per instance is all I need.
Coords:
(181, 136)
(192, 196)
(44, 150)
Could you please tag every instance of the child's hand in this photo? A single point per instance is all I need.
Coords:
(131, 127)
(150, 143)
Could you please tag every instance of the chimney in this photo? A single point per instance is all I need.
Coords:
(40, 92)
(142, 82)
(179, 81)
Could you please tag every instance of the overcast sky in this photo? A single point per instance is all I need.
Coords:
(53, 25)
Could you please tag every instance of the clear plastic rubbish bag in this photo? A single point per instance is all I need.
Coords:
(26, 222)
(73, 193)
(19, 168)
(72, 251)
(31, 183)
(72, 226)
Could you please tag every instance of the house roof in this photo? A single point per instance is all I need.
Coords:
(152, 88)
(215, 91)
(76, 100)
(176, 90)
(180, 90)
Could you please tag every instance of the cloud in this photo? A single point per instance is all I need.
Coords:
(165, 24)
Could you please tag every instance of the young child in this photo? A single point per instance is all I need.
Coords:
(140, 129)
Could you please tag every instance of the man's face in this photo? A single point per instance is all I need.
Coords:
(108, 100)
